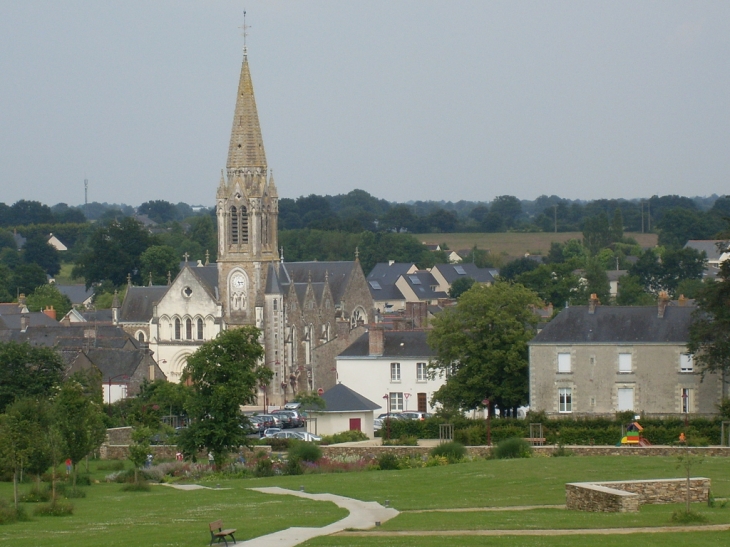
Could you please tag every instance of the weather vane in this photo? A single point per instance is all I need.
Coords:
(244, 28)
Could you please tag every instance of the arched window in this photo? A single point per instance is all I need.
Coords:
(177, 328)
(200, 329)
(140, 337)
(188, 329)
(234, 226)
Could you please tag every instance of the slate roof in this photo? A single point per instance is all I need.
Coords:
(35, 319)
(615, 275)
(208, 277)
(70, 337)
(272, 281)
(337, 273)
(423, 288)
(114, 362)
(709, 246)
(452, 272)
(617, 324)
(139, 303)
(104, 316)
(342, 399)
(397, 344)
(382, 278)
(77, 294)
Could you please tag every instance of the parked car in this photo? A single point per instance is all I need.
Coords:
(288, 435)
(415, 415)
(307, 436)
(294, 417)
(392, 416)
(270, 420)
(271, 432)
(284, 418)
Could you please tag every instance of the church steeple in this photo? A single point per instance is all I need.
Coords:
(246, 149)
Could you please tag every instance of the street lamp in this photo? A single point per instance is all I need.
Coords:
(387, 419)
(485, 402)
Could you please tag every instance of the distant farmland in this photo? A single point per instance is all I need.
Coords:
(512, 244)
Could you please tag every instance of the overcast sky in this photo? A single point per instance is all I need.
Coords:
(404, 99)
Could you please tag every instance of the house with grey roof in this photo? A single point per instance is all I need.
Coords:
(344, 410)
(78, 294)
(382, 284)
(599, 360)
(446, 274)
(391, 365)
(716, 250)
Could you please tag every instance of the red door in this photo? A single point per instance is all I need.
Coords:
(355, 424)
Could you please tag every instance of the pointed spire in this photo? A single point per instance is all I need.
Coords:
(281, 254)
(115, 300)
(222, 183)
(207, 257)
(357, 254)
(150, 282)
(246, 149)
(169, 278)
(272, 187)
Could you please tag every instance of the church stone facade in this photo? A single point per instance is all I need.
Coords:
(308, 312)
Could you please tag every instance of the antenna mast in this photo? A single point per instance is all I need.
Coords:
(86, 198)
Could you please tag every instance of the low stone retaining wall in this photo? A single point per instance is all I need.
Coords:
(626, 496)
(163, 452)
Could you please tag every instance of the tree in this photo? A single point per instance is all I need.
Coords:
(398, 219)
(79, 416)
(26, 278)
(596, 233)
(596, 280)
(139, 449)
(481, 346)
(709, 333)
(617, 226)
(49, 295)
(26, 212)
(225, 374)
(631, 292)
(114, 252)
(159, 260)
(159, 210)
(507, 207)
(37, 250)
(460, 286)
(517, 267)
(27, 371)
(17, 433)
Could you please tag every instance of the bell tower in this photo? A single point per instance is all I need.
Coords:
(247, 210)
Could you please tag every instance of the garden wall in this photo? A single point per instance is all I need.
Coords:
(626, 496)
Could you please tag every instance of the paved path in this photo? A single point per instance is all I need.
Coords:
(363, 515)
(475, 509)
(189, 486)
(553, 532)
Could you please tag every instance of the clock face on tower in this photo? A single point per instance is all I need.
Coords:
(238, 282)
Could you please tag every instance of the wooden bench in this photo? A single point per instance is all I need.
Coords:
(536, 441)
(217, 532)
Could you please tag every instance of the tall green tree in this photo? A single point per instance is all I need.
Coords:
(78, 409)
(49, 295)
(17, 434)
(709, 334)
(481, 346)
(225, 374)
(596, 233)
(27, 371)
(159, 260)
(114, 251)
(37, 250)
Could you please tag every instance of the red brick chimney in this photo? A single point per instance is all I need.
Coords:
(593, 301)
(50, 312)
(417, 313)
(376, 339)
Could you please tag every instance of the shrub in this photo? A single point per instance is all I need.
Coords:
(471, 436)
(304, 451)
(264, 468)
(110, 465)
(683, 517)
(57, 508)
(140, 486)
(561, 451)
(401, 441)
(344, 437)
(293, 467)
(36, 495)
(452, 451)
(67, 491)
(279, 445)
(512, 448)
(388, 461)
(83, 480)
(9, 514)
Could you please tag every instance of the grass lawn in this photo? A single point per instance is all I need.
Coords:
(165, 516)
(64, 276)
(516, 244)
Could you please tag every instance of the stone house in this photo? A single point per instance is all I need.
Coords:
(599, 360)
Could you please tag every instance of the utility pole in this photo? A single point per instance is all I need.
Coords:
(555, 215)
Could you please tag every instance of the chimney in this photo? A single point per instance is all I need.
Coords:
(592, 303)
(391, 262)
(50, 312)
(662, 304)
(376, 339)
(682, 301)
(399, 323)
(21, 301)
(115, 309)
(24, 313)
(417, 312)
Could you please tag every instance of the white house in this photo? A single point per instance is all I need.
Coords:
(390, 367)
(345, 410)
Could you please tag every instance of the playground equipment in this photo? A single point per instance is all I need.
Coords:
(632, 436)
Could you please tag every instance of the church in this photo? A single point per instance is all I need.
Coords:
(308, 312)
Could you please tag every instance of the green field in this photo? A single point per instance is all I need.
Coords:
(516, 244)
(165, 516)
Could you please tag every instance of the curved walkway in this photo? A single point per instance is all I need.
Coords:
(549, 532)
(363, 515)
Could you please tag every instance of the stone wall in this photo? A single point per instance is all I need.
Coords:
(626, 496)
(119, 435)
(163, 452)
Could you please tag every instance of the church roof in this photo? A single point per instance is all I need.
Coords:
(336, 273)
(71, 337)
(139, 303)
(115, 363)
(246, 148)
(272, 280)
(208, 277)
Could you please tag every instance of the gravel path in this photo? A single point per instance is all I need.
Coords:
(572, 532)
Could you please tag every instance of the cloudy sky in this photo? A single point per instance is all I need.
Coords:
(404, 99)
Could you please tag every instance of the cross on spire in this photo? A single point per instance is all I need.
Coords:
(207, 257)
(357, 253)
(244, 28)
(186, 256)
